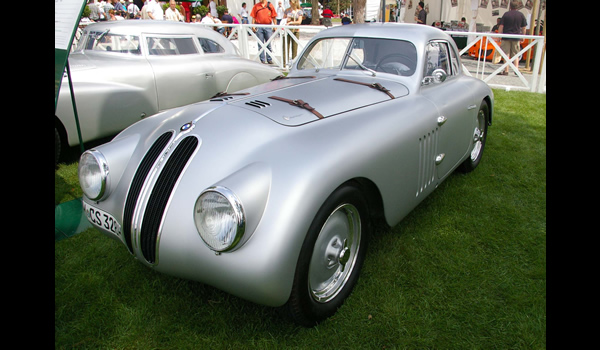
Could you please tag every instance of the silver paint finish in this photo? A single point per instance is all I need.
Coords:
(282, 162)
(114, 90)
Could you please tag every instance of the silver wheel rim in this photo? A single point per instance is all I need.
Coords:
(334, 254)
(478, 136)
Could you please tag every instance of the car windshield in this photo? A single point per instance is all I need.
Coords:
(108, 42)
(371, 54)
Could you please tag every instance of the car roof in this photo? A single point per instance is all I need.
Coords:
(147, 26)
(416, 33)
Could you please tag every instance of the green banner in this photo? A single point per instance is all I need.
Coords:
(66, 19)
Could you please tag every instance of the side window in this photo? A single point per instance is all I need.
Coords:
(437, 57)
(454, 61)
(104, 41)
(162, 46)
(209, 46)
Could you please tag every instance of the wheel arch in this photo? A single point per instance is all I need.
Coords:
(490, 104)
(372, 195)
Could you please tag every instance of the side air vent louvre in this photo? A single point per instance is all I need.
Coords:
(258, 104)
(138, 182)
(160, 195)
(427, 149)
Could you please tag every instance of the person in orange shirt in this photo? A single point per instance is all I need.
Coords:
(264, 13)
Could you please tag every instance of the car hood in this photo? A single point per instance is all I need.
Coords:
(329, 96)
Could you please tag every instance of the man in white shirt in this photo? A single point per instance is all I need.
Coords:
(132, 10)
(155, 11)
(243, 14)
(280, 11)
(209, 19)
(172, 14)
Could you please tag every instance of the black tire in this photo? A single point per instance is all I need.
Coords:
(479, 138)
(334, 247)
(57, 146)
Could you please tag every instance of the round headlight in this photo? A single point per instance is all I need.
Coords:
(219, 218)
(93, 174)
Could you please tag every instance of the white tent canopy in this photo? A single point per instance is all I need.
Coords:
(484, 12)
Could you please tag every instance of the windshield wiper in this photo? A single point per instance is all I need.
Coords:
(356, 59)
(281, 77)
(225, 94)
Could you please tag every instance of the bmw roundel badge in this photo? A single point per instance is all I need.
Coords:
(186, 126)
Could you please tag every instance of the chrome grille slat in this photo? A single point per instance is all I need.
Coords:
(137, 183)
(160, 195)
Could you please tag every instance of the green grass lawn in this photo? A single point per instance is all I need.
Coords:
(465, 270)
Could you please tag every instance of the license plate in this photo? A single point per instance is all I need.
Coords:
(102, 219)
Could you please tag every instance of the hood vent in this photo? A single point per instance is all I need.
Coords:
(258, 104)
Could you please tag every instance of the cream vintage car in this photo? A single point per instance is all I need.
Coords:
(125, 71)
(270, 193)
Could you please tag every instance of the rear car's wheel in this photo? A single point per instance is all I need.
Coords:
(331, 257)
(479, 138)
(57, 146)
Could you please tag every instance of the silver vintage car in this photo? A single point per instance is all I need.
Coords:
(124, 71)
(270, 193)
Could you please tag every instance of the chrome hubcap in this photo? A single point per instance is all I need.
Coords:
(334, 254)
(478, 136)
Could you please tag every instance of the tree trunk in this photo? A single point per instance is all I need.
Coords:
(359, 7)
(315, 13)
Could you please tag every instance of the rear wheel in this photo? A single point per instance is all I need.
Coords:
(331, 257)
(479, 138)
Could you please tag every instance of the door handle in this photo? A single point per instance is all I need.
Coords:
(440, 158)
(471, 107)
(441, 120)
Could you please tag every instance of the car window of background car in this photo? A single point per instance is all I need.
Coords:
(96, 41)
(209, 46)
(171, 46)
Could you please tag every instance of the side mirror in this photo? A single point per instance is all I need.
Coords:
(437, 76)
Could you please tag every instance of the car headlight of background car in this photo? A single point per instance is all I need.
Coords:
(93, 174)
(219, 218)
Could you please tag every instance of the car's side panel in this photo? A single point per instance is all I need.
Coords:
(234, 73)
(381, 145)
(107, 107)
(193, 81)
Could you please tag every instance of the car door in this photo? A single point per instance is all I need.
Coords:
(442, 85)
(182, 71)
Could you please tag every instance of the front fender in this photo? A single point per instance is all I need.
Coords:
(103, 108)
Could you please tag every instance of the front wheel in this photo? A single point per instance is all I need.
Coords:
(479, 137)
(331, 257)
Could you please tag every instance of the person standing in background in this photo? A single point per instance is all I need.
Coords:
(243, 14)
(327, 14)
(421, 18)
(172, 14)
(264, 13)
(512, 22)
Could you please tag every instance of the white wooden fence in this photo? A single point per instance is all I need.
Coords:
(531, 78)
